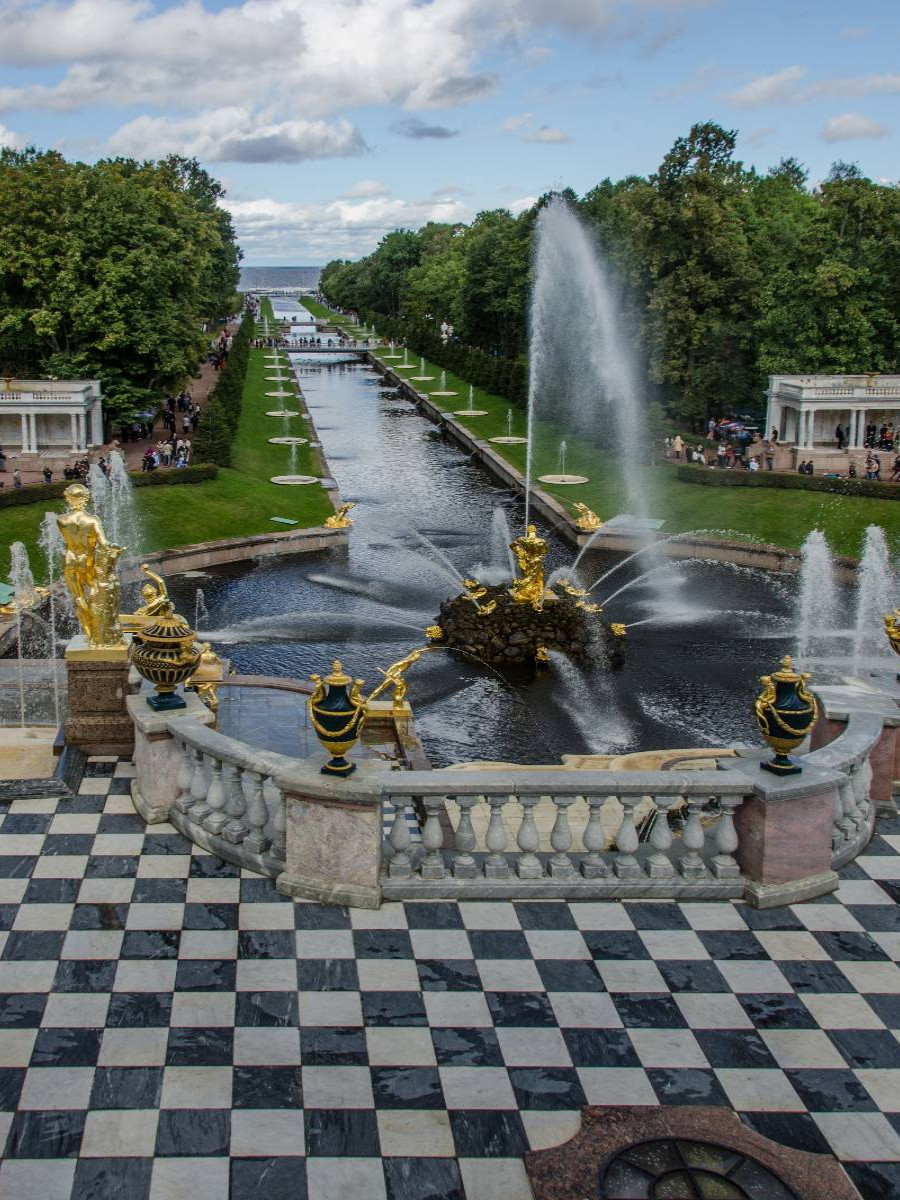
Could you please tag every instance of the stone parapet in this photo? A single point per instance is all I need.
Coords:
(157, 755)
(98, 720)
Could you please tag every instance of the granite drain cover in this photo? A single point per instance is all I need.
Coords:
(679, 1169)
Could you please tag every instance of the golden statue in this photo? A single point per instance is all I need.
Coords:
(890, 628)
(617, 629)
(89, 569)
(340, 520)
(434, 633)
(156, 598)
(530, 551)
(28, 601)
(395, 676)
(587, 520)
(207, 677)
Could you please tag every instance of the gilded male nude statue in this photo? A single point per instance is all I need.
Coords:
(89, 568)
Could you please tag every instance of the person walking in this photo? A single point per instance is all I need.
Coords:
(17, 478)
(677, 445)
(839, 437)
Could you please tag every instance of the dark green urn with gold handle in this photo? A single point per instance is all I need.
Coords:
(337, 711)
(786, 713)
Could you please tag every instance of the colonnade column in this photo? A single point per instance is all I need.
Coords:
(79, 426)
(31, 429)
(74, 432)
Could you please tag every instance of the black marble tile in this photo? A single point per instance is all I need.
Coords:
(165, 843)
(274, 1178)
(569, 975)
(11, 1080)
(267, 1087)
(600, 1048)
(99, 770)
(488, 1133)
(8, 914)
(886, 1006)
(159, 891)
(99, 916)
(45, 1134)
(86, 804)
(150, 943)
(769, 918)
(262, 891)
(340, 1132)
(32, 947)
(112, 866)
(877, 918)
(205, 975)
(423, 1179)
(648, 1010)
(466, 1047)
(732, 945)
(22, 1010)
(197, 1133)
(333, 1046)
(126, 1087)
(875, 1180)
(120, 787)
(769, 1010)
(498, 943)
(266, 1008)
(407, 1087)
(427, 914)
(734, 1048)
(810, 976)
(327, 975)
(210, 866)
(831, 1090)
(16, 866)
(66, 1048)
(615, 944)
(692, 975)
(121, 822)
(266, 943)
(112, 1179)
(867, 1048)
(797, 1130)
(448, 975)
(382, 943)
(67, 843)
(52, 891)
(210, 916)
(547, 1087)
(199, 1047)
(850, 947)
(16, 823)
(687, 1085)
(656, 915)
(520, 1009)
(393, 1008)
(139, 1010)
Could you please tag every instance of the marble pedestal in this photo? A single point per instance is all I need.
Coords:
(98, 721)
(333, 835)
(156, 753)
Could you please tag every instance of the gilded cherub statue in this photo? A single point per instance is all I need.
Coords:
(340, 520)
(587, 520)
(530, 551)
(395, 676)
(155, 595)
(89, 569)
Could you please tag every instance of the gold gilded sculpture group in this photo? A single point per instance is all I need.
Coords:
(89, 569)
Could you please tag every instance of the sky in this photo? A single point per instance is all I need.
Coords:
(331, 122)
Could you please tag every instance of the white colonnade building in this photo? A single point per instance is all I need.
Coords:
(807, 409)
(50, 417)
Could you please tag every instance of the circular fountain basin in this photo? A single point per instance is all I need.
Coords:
(443, 393)
(471, 412)
(277, 378)
(281, 393)
(404, 367)
(421, 378)
(282, 412)
(390, 356)
(293, 480)
(563, 480)
(508, 441)
(288, 441)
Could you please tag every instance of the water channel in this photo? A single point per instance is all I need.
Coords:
(691, 671)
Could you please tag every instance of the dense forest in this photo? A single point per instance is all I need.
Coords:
(728, 276)
(110, 270)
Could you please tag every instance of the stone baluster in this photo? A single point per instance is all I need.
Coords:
(659, 863)
(725, 840)
(433, 839)
(464, 864)
(257, 815)
(217, 818)
(594, 839)
(528, 840)
(496, 840)
(862, 782)
(278, 849)
(693, 839)
(185, 778)
(235, 829)
(199, 789)
(845, 805)
(838, 833)
(400, 838)
(627, 866)
(561, 866)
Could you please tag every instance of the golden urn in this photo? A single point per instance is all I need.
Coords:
(164, 652)
(786, 713)
(337, 711)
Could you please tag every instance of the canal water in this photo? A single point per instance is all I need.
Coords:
(426, 516)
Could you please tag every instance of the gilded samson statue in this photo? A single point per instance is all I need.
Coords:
(89, 568)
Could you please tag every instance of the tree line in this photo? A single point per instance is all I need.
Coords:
(728, 275)
(110, 270)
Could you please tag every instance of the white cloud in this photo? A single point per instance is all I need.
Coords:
(515, 122)
(759, 136)
(768, 89)
(366, 188)
(850, 125)
(236, 135)
(863, 85)
(10, 139)
(522, 204)
(287, 231)
(854, 33)
(548, 134)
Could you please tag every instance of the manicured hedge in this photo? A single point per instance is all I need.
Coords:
(738, 477)
(218, 424)
(35, 493)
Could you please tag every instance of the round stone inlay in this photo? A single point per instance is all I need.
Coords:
(293, 480)
(682, 1169)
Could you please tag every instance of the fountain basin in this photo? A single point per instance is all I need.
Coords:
(293, 480)
(288, 441)
(563, 480)
(281, 393)
(508, 441)
(471, 412)
(422, 378)
(443, 393)
(282, 412)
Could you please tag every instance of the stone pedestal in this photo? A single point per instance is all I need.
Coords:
(98, 722)
(333, 835)
(156, 754)
(784, 828)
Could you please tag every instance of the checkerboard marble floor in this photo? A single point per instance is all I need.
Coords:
(171, 1027)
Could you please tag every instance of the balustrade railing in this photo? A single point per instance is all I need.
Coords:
(849, 754)
(511, 833)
